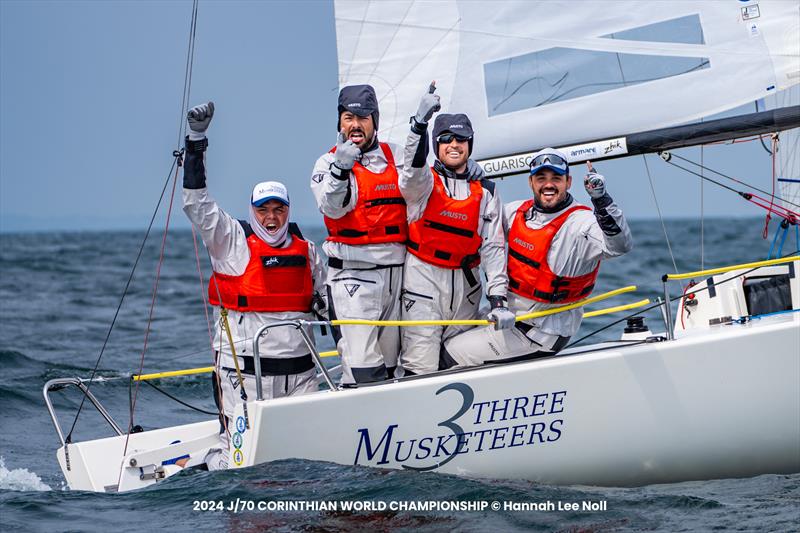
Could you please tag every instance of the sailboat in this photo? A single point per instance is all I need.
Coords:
(716, 394)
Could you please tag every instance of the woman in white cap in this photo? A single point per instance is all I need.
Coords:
(264, 271)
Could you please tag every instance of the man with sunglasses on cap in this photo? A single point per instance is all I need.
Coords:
(555, 246)
(264, 271)
(355, 187)
(455, 225)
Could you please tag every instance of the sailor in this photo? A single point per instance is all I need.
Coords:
(455, 224)
(264, 271)
(555, 246)
(355, 187)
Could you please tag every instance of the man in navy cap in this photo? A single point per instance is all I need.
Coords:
(555, 246)
(355, 187)
(455, 225)
(264, 271)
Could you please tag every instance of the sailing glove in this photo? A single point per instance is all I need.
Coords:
(502, 317)
(199, 118)
(347, 152)
(595, 185)
(428, 105)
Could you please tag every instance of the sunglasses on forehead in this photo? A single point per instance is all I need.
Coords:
(550, 161)
(446, 138)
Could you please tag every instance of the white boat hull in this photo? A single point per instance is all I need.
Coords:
(722, 404)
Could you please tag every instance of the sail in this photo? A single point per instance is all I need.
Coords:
(534, 74)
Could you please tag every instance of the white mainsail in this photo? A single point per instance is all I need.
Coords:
(532, 74)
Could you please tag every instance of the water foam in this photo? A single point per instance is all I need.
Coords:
(20, 479)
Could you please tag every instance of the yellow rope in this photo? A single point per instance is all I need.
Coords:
(528, 316)
(720, 270)
(333, 353)
(608, 310)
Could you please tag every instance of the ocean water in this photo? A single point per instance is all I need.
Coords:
(59, 294)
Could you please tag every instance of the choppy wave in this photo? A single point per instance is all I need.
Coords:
(20, 479)
(58, 323)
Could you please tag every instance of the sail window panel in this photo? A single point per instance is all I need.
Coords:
(561, 74)
(685, 30)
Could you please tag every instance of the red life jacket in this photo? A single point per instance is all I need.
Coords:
(529, 275)
(447, 233)
(380, 212)
(275, 279)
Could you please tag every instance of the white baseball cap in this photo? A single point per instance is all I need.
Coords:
(269, 190)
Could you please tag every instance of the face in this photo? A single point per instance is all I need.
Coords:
(454, 154)
(549, 188)
(360, 130)
(272, 215)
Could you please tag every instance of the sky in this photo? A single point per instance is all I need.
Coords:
(90, 96)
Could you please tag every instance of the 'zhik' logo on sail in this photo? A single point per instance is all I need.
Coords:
(477, 426)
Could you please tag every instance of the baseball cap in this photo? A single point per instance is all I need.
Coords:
(269, 190)
(550, 158)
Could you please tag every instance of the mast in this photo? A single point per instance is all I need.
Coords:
(657, 140)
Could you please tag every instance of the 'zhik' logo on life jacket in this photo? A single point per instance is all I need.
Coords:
(271, 261)
(386, 187)
(453, 214)
(522, 243)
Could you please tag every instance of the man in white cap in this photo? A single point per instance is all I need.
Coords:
(555, 246)
(355, 187)
(455, 220)
(264, 271)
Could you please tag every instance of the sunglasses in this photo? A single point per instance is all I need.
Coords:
(552, 161)
(447, 138)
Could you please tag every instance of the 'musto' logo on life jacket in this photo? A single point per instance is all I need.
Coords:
(522, 243)
(386, 187)
(453, 214)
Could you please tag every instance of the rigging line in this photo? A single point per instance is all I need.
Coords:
(202, 291)
(170, 396)
(658, 209)
(761, 137)
(735, 180)
(649, 177)
(152, 306)
(122, 299)
(389, 44)
(187, 74)
(772, 196)
(702, 211)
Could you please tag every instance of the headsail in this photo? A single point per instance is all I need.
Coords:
(558, 73)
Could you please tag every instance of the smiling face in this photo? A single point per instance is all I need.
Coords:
(358, 129)
(272, 215)
(549, 188)
(454, 154)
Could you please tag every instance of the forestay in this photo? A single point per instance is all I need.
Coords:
(559, 73)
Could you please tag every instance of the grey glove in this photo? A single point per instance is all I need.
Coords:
(502, 318)
(428, 105)
(319, 306)
(199, 118)
(595, 185)
(347, 153)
